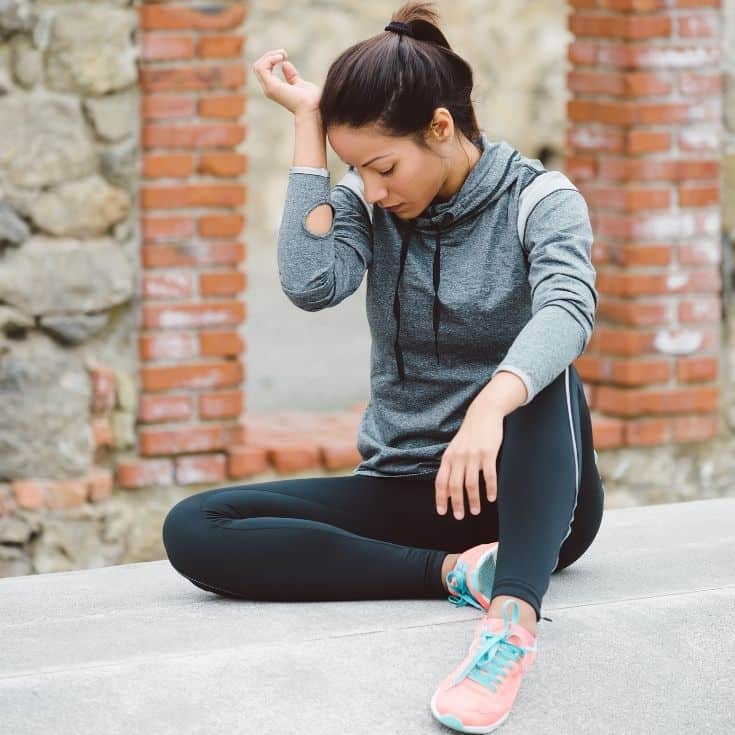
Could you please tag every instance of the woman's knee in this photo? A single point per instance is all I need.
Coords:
(182, 532)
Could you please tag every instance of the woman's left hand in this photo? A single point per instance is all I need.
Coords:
(474, 447)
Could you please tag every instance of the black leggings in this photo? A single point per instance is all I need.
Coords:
(358, 537)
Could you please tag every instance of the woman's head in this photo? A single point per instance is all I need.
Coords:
(407, 100)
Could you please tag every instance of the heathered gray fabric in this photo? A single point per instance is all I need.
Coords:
(524, 303)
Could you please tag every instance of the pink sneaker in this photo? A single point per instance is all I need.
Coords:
(478, 695)
(471, 580)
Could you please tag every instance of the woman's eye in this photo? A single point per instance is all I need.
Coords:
(389, 171)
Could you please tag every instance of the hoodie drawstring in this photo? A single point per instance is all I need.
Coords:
(397, 307)
(397, 301)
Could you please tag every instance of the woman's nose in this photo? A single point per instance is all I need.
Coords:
(374, 195)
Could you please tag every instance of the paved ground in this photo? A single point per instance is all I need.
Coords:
(640, 643)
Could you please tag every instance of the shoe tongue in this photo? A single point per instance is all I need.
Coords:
(518, 634)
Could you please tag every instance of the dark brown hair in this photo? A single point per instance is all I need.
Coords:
(397, 82)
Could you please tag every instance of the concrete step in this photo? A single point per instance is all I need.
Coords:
(640, 642)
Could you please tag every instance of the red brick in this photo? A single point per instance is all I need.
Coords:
(222, 283)
(643, 169)
(628, 342)
(221, 225)
(697, 369)
(622, 6)
(337, 455)
(99, 485)
(177, 17)
(167, 106)
(583, 53)
(170, 165)
(222, 135)
(165, 408)
(647, 141)
(627, 372)
(195, 254)
(168, 347)
(618, 26)
(591, 138)
(63, 494)
(652, 225)
(183, 316)
(135, 473)
(699, 196)
(224, 46)
(699, 83)
(168, 285)
(660, 55)
(200, 375)
(245, 461)
(631, 84)
(188, 439)
(641, 284)
(580, 168)
(699, 25)
(203, 195)
(216, 344)
(160, 46)
(634, 254)
(641, 372)
(104, 384)
(702, 309)
(695, 428)
(703, 252)
(628, 198)
(629, 113)
(294, 456)
(222, 404)
(163, 229)
(202, 468)
(624, 402)
(647, 432)
(222, 164)
(192, 78)
(222, 105)
(29, 494)
(102, 431)
(608, 433)
(634, 313)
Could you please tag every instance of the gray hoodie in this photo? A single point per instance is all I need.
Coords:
(499, 277)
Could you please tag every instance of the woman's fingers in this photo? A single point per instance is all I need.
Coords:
(263, 68)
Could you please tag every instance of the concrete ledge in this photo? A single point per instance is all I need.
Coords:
(641, 642)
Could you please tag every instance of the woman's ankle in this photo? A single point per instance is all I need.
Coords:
(526, 618)
(447, 565)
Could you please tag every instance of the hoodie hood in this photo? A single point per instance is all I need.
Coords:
(490, 177)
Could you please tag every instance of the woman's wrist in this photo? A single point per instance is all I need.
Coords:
(503, 394)
(310, 144)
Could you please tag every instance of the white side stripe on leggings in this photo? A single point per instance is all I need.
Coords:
(576, 462)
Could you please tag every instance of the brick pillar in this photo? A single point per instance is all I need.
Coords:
(192, 78)
(644, 147)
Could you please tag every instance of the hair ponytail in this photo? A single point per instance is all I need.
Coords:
(396, 81)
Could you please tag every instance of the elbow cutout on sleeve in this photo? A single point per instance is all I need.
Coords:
(315, 235)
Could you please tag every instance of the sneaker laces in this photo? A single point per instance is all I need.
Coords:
(456, 579)
(495, 656)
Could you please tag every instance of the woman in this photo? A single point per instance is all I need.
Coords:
(480, 295)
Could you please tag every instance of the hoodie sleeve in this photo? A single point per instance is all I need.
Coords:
(317, 271)
(558, 240)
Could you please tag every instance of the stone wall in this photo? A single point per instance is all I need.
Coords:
(68, 252)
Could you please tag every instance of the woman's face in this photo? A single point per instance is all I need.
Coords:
(394, 171)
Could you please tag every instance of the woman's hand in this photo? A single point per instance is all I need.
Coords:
(474, 447)
(295, 94)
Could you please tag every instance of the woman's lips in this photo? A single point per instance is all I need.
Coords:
(393, 209)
